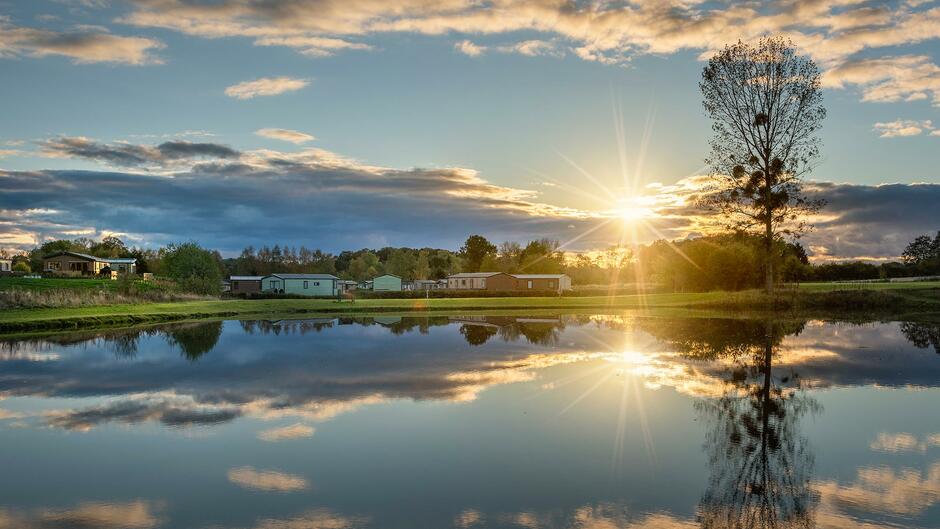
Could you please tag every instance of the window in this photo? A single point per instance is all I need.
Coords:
(551, 284)
(234, 284)
(463, 282)
(305, 285)
(315, 283)
(530, 284)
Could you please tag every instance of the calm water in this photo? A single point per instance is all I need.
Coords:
(543, 422)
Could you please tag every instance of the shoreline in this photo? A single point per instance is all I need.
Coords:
(839, 304)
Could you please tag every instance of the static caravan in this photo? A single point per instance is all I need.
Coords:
(245, 284)
(386, 283)
(301, 284)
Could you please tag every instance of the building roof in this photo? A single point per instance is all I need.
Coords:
(387, 275)
(304, 276)
(115, 260)
(246, 278)
(474, 274)
(539, 276)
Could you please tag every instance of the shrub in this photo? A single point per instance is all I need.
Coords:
(22, 266)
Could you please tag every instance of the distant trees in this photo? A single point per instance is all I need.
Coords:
(194, 268)
(474, 251)
(765, 103)
(923, 253)
(718, 262)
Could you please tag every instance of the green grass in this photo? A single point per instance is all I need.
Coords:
(816, 299)
(45, 284)
(911, 285)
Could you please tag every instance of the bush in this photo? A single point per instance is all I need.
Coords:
(194, 268)
(22, 266)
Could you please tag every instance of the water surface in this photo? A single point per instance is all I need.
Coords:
(603, 421)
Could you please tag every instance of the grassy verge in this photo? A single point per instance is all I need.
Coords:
(881, 302)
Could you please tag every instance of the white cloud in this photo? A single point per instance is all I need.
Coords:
(607, 32)
(288, 135)
(265, 86)
(903, 127)
(294, 431)
(87, 44)
(469, 48)
(266, 480)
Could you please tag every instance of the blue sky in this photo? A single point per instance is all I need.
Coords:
(525, 95)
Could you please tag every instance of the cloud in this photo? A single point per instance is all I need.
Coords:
(313, 46)
(903, 127)
(288, 135)
(85, 45)
(904, 442)
(469, 48)
(130, 155)
(265, 86)
(266, 480)
(314, 519)
(529, 48)
(889, 79)
(834, 33)
(294, 431)
(138, 514)
(228, 199)
(171, 411)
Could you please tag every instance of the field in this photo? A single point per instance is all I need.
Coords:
(888, 299)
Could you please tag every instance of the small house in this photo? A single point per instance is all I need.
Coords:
(498, 281)
(6, 266)
(425, 284)
(346, 285)
(301, 284)
(85, 264)
(556, 282)
(245, 284)
(386, 283)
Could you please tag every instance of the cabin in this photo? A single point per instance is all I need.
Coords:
(481, 281)
(502, 282)
(79, 263)
(556, 282)
(301, 284)
(424, 284)
(346, 285)
(386, 283)
(245, 284)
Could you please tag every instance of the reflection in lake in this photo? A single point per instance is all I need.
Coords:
(589, 421)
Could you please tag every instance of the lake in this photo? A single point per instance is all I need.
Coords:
(547, 421)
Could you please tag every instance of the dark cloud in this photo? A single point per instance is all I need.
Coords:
(131, 155)
(320, 199)
(873, 221)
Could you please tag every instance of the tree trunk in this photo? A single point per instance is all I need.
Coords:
(769, 242)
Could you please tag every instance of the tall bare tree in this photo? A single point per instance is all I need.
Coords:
(765, 104)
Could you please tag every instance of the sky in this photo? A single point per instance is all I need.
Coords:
(342, 124)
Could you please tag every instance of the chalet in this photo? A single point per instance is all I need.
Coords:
(502, 282)
(386, 283)
(80, 263)
(301, 284)
(557, 282)
(481, 281)
(245, 284)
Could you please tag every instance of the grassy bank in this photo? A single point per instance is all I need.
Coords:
(914, 298)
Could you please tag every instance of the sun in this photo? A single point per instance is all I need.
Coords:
(631, 210)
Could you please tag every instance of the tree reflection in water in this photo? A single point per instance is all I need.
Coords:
(760, 462)
(922, 335)
(196, 339)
